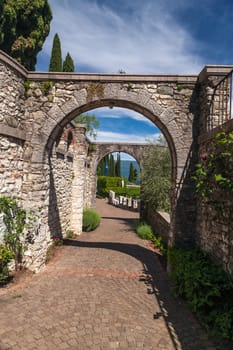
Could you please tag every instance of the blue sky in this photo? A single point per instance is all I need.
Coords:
(140, 36)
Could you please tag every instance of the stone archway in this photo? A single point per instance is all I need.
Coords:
(35, 107)
(58, 116)
(100, 150)
(49, 101)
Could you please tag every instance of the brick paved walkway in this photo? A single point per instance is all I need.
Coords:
(105, 291)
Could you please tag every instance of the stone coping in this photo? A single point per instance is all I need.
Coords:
(165, 216)
(100, 77)
(208, 70)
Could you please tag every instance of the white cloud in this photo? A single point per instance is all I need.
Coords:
(118, 112)
(148, 41)
(109, 136)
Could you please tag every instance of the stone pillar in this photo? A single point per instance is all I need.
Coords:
(79, 179)
(91, 177)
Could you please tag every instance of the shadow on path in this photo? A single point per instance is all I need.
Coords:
(184, 330)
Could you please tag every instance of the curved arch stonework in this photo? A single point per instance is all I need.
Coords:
(35, 108)
(100, 150)
(47, 110)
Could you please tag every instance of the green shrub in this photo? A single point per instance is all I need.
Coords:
(5, 257)
(57, 241)
(14, 218)
(70, 234)
(144, 231)
(206, 287)
(124, 191)
(101, 185)
(91, 219)
(158, 242)
(107, 183)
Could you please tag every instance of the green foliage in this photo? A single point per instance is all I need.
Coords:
(144, 230)
(68, 64)
(91, 220)
(14, 219)
(126, 192)
(101, 185)
(156, 178)
(91, 122)
(158, 242)
(70, 234)
(24, 26)
(57, 241)
(19, 227)
(133, 174)
(111, 166)
(179, 87)
(6, 255)
(206, 287)
(101, 166)
(214, 180)
(108, 183)
(46, 86)
(27, 84)
(118, 165)
(55, 64)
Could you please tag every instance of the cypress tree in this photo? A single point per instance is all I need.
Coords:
(131, 173)
(100, 168)
(118, 165)
(111, 166)
(135, 175)
(56, 58)
(68, 64)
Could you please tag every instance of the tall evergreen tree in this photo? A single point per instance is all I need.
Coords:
(100, 168)
(118, 165)
(55, 64)
(111, 166)
(135, 175)
(68, 64)
(131, 172)
(24, 26)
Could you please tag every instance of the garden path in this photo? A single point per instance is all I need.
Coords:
(106, 290)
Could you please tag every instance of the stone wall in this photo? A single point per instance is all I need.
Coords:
(11, 166)
(60, 196)
(12, 100)
(37, 106)
(160, 222)
(12, 135)
(214, 224)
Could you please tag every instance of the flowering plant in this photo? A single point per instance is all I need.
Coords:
(57, 241)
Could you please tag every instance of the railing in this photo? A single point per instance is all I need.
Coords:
(124, 202)
(221, 103)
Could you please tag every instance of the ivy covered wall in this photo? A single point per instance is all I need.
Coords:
(214, 185)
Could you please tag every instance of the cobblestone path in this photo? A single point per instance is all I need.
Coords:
(106, 290)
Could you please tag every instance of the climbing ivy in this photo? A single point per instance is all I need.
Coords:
(213, 176)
